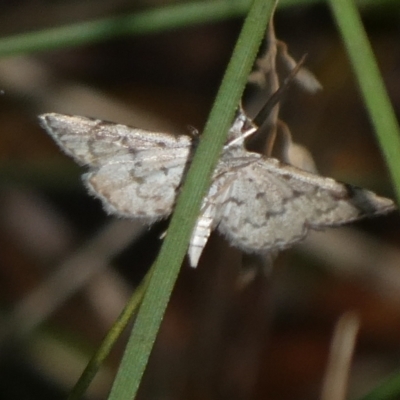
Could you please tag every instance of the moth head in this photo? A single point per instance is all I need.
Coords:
(242, 128)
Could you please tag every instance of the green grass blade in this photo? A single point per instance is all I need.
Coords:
(387, 390)
(149, 21)
(108, 342)
(371, 84)
(175, 245)
(382, 116)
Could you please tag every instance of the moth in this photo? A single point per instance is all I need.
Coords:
(260, 204)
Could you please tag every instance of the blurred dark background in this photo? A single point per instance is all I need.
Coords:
(67, 269)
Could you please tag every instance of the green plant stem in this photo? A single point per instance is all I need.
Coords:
(150, 21)
(108, 342)
(176, 242)
(371, 84)
(387, 390)
(145, 22)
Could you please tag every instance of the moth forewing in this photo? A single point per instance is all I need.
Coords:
(95, 142)
(136, 173)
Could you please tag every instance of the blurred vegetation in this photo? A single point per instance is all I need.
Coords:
(269, 340)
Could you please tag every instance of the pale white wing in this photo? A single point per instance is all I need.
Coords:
(273, 205)
(95, 142)
(217, 194)
(201, 232)
(135, 172)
